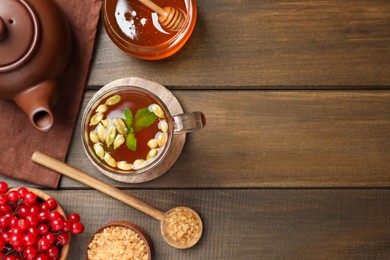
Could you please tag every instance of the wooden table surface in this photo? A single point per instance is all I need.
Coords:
(294, 162)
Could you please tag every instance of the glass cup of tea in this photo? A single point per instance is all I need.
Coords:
(128, 130)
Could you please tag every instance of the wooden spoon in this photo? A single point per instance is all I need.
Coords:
(169, 17)
(128, 199)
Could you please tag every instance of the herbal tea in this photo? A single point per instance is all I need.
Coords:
(127, 130)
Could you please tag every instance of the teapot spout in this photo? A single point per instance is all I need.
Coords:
(36, 102)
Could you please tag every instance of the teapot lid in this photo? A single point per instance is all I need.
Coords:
(19, 33)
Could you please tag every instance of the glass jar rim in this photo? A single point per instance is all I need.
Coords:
(158, 51)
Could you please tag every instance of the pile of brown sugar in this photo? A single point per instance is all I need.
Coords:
(182, 227)
(117, 242)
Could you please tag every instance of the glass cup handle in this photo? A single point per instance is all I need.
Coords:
(188, 122)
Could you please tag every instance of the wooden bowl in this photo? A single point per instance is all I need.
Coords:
(43, 196)
(126, 224)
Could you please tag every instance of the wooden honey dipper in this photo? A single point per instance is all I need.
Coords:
(169, 17)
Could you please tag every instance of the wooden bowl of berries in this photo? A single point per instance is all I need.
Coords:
(33, 225)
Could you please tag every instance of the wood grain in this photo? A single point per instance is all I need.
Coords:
(276, 139)
(274, 44)
(92, 182)
(253, 224)
(294, 160)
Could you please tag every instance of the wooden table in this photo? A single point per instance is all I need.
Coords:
(294, 162)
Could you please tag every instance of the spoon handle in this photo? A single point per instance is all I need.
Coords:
(97, 184)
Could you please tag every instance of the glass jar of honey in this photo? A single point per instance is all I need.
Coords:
(136, 29)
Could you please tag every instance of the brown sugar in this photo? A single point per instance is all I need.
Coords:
(182, 227)
(117, 242)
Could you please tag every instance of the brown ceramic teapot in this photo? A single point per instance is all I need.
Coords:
(35, 46)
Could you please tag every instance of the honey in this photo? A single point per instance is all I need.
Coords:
(135, 28)
(141, 25)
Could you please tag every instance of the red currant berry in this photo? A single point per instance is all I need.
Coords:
(3, 199)
(30, 198)
(57, 224)
(52, 203)
(30, 252)
(18, 249)
(4, 209)
(43, 206)
(51, 237)
(33, 231)
(41, 256)
(68, 225)
(16, 240)
(13, 196)
(77, 228)
(43, 229)
(63, 238)
(9, 215)
(17, 231)
(23, 211)
(3, 187)
(53, 252)
(14, 222)
(34, 210)
(29, 239)
(22, 192)
(43, 216)
(54, 214)
(2, 243)
(10, 257)
(23, 224)
(43, 244)
(4, 222)
(74, 217)
(32, 220)
(6, 235)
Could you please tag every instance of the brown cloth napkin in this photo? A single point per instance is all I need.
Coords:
(18, 138)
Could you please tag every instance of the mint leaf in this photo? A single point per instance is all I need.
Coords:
(143, 118)
(128, 117)
(131, 142)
